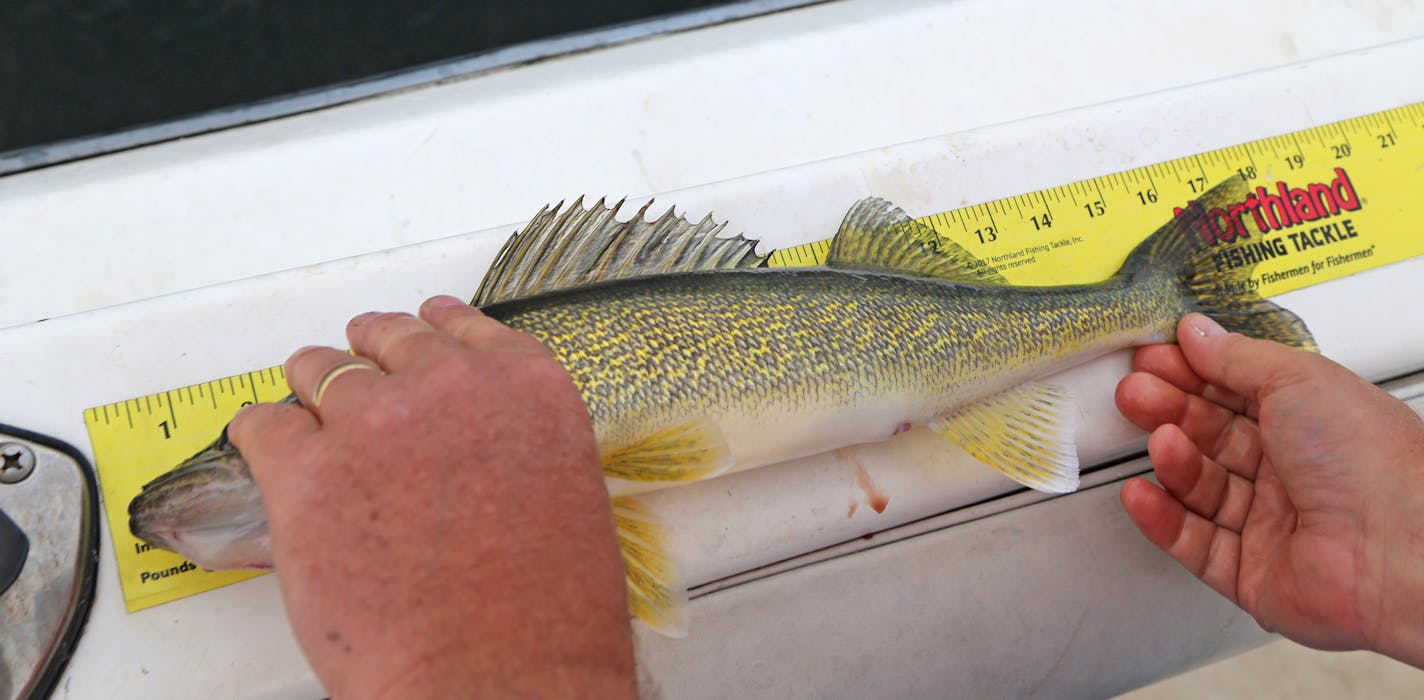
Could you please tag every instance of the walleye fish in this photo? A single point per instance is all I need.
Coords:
(693, 360)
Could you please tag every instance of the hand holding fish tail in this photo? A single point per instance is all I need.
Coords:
(441, 527)
(1291, 487)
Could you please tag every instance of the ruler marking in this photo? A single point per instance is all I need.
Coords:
(255, 400)
(1196, 160)
(172, 415)
(129, 414)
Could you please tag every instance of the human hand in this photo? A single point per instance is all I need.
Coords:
(1292, 487)
(442, 528)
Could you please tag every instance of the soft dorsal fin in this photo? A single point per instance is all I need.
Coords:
(577, 246)
(877, 235)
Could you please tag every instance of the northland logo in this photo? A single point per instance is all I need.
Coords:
(1265, 210)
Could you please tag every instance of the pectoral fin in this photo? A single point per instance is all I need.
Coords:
(684, 452)
(656, 593)
(1026, 433)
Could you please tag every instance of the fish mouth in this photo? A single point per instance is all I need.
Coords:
(188, 497)
(208, 511)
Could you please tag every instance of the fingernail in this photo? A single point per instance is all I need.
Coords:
(364, 318)
(443, 301)
(1204, 326)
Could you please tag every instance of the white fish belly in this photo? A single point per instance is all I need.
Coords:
(762, 435)
(757, 439)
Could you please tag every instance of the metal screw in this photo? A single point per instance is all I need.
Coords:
(17, 462)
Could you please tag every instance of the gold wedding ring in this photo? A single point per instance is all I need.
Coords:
(334, 372)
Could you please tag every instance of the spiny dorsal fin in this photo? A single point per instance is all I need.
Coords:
(877, 235)
(577, 246)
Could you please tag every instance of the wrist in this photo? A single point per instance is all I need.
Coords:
(494, 646)
(482, 671)
(1399, 632)
(1399, 562)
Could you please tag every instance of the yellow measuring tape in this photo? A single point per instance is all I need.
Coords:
(1326, 202)
(138, 439)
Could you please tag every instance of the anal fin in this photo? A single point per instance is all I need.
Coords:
(688, 451)
(1026, 433)
(656, 593)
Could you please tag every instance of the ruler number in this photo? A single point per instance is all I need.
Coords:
(986, 234)
(1341, 151)
(1247, 173)
(1148, 196)
(167, 434)
(1041, 221)
(1385, 140)
(1296, 161)
(1198, 184)
(1095, 208)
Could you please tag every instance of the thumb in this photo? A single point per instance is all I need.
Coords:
(1245, 366)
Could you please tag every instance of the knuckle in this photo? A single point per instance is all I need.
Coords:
(389, 412)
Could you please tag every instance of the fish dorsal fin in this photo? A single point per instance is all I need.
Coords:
(877, 235)
(564, 248)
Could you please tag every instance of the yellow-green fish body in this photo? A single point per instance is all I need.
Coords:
(792, 362)
(694, 360)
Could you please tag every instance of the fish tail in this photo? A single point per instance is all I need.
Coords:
(1208, 283)
(657, 595)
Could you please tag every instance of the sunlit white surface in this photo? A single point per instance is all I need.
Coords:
(209, 256)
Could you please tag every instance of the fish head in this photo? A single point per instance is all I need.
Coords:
(207, 509)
